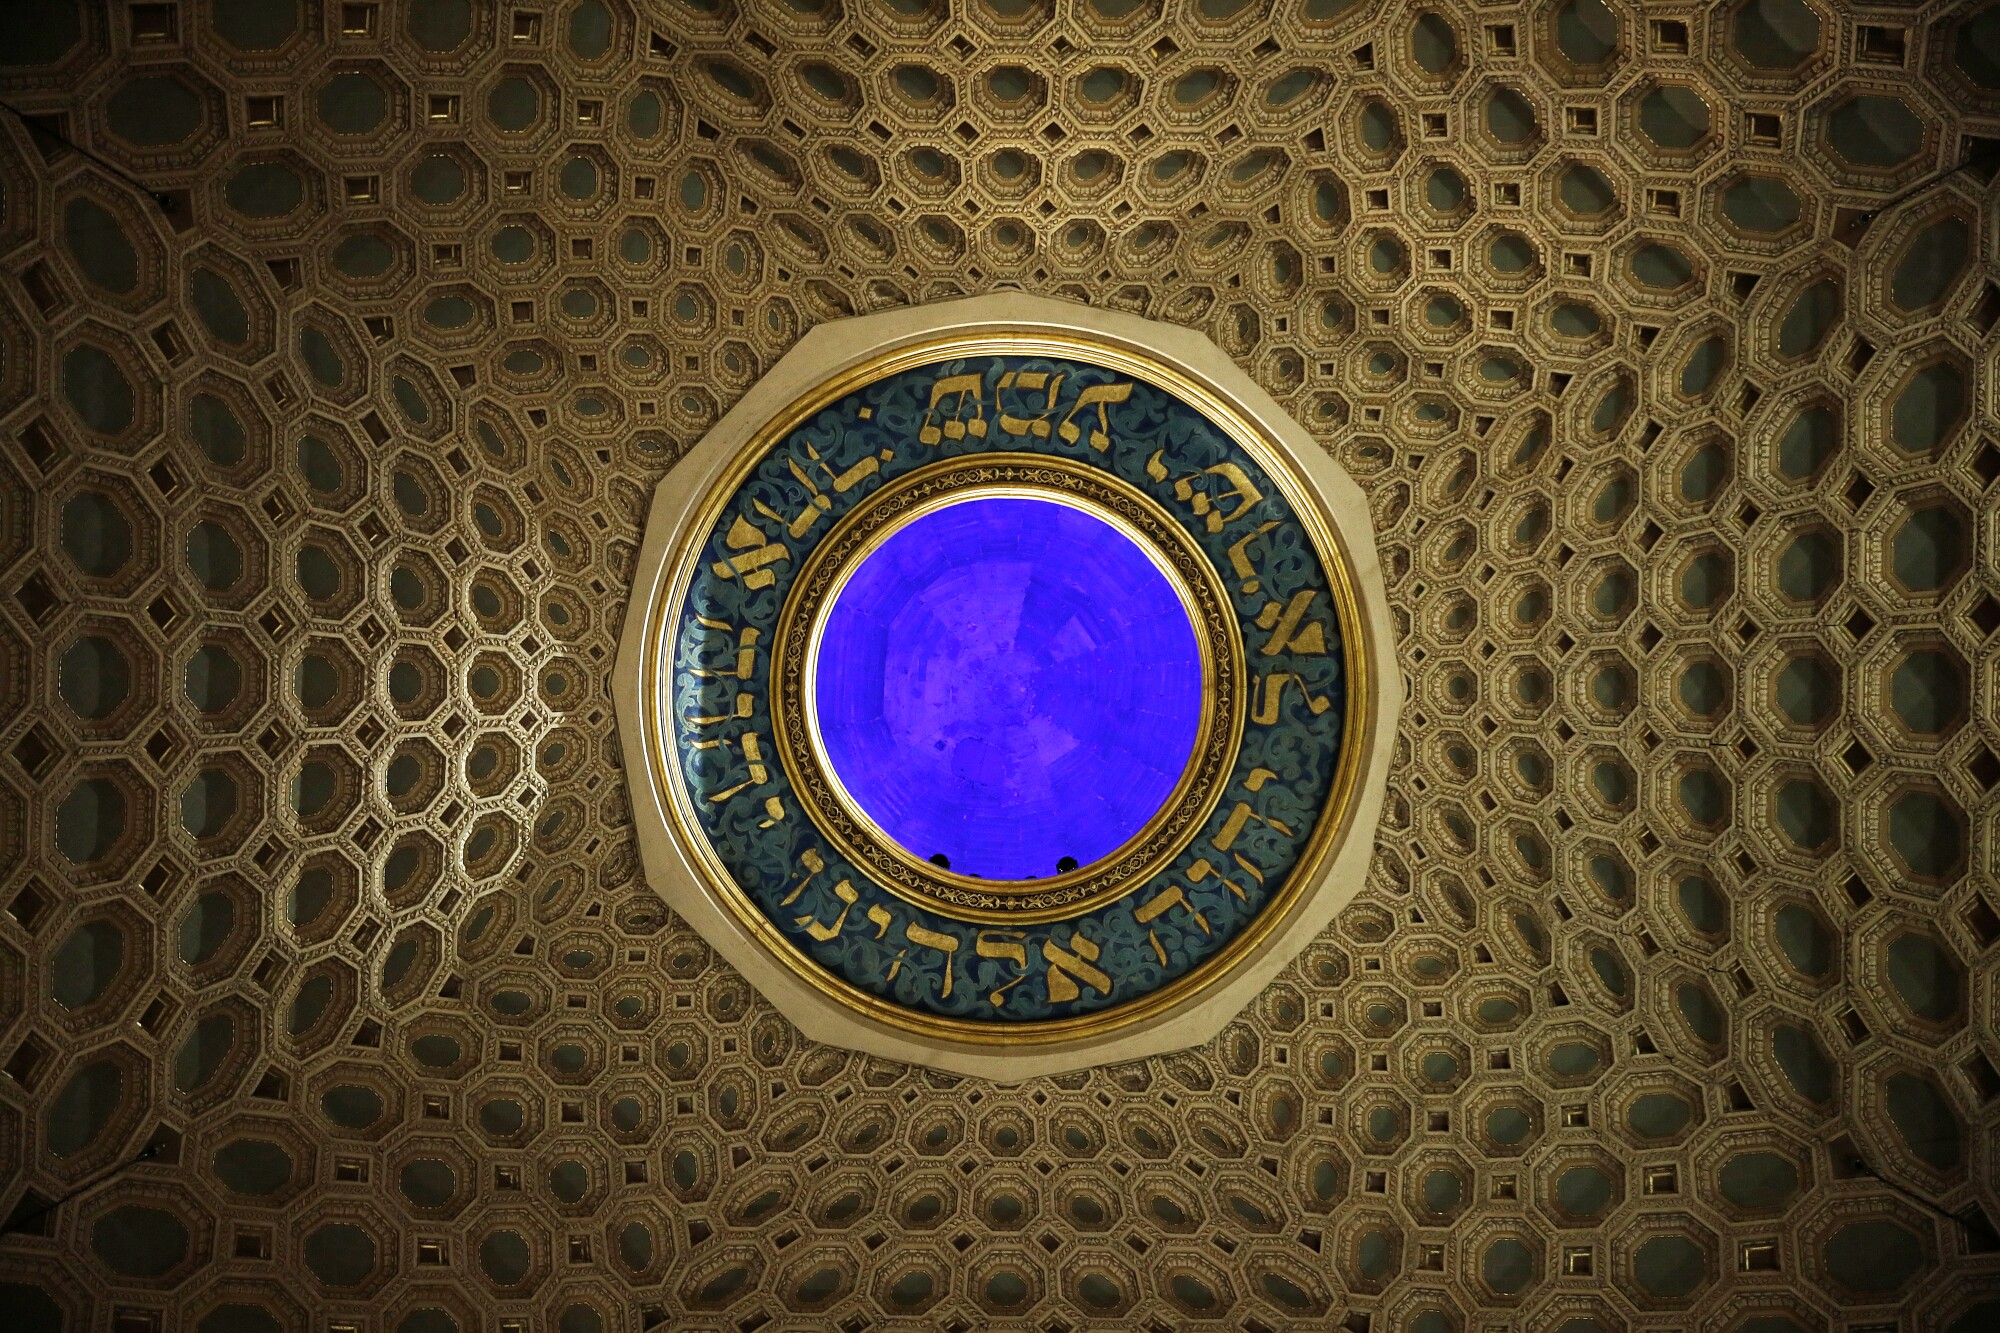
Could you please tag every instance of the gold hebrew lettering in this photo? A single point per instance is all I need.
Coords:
(1038, 425)
(816, 503)
(1173, 896)
(878, 916)
(744, 666)
(1099, 396)
(1288, 633)
(1066, 968)
(1271, 692)
(1201, 870)
(943, 943)
(774, 812)
(753, 756)
(855, 475)
(745, 704)
(1233, 826)
(814, 864)
(746, 653)
(848, 895)
(756, 551)
(1239, 819)
(957, 428)
(743, 534)
(1003, 944)
(1207, 509)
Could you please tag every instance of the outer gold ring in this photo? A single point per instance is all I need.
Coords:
(1218, 733)
(1358, 733)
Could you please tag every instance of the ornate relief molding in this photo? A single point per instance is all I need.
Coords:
(747, 835)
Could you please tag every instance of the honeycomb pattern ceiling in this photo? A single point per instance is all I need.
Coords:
(319, 492)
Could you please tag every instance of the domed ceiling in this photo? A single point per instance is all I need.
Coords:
(1663, 359)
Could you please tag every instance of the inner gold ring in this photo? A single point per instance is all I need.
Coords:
(1218, 732)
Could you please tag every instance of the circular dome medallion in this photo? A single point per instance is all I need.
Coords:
(1003, 688)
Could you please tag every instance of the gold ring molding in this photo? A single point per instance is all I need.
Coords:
(1218, 733)
(835, 359)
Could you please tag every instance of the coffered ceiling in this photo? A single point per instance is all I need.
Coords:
(1664, 359)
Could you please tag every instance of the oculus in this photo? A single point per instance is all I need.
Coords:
(1002, 686)
(1119, 735)
(1009, 685)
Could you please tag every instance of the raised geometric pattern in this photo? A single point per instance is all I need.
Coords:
(320, 491)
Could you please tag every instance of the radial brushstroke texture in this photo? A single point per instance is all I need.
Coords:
(1008, 681)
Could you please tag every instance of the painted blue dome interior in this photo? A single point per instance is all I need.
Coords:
(1007, 682)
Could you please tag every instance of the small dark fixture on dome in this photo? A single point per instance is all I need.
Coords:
(1067, 864)
(940, 860)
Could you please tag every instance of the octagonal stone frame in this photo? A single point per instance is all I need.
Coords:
(826, 351)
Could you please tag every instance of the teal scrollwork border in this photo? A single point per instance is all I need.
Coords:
(833, 913)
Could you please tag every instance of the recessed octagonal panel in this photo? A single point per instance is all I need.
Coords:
(1003, 686)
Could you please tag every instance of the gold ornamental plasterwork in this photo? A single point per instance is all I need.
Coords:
(1118, 345)
(1658, 343)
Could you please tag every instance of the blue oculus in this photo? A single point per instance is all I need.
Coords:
(1007, 682)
